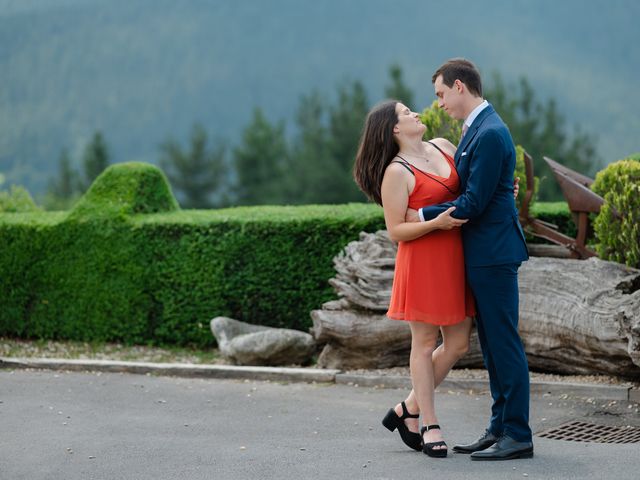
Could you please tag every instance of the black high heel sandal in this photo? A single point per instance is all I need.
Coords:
(429, 449)
(393, 421)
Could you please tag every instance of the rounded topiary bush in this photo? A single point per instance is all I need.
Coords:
(617, 226)
(126, 189)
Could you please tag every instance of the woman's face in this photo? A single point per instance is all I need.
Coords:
(408, 122)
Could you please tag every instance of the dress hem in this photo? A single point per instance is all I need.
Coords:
(439, 323)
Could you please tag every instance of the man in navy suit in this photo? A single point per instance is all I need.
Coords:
(494, 248)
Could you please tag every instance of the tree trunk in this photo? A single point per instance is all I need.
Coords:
(580, 316)
(576, 316)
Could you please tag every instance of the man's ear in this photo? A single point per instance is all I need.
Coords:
(460, 87)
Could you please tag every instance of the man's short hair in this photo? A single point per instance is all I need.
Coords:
(463, 70)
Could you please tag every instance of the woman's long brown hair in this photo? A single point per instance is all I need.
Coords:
(376, 150)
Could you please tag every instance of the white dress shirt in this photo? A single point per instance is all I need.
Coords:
(474, 113)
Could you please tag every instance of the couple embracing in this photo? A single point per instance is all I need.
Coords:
(460, 245)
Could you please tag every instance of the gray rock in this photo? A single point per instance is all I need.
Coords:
(247, 344)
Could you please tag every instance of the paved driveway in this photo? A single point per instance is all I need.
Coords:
(69, 426)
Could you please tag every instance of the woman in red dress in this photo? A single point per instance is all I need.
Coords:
(396, 169)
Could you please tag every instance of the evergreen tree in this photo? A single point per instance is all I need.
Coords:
(260, 163)
(94, 160)
(398, 90)
(198, 174)
(64, 186)
(346, 120)
(62, 191)
(541, 130)
(312, 170)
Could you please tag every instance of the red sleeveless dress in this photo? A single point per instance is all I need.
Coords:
(429, 283)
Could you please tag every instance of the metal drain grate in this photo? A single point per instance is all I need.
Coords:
(589, 432)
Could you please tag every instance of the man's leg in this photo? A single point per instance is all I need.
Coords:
(496, 291)
(495, 423)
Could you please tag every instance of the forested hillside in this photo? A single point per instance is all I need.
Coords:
(144, 71)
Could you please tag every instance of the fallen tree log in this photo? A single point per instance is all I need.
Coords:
(580, 316)
(576, 316)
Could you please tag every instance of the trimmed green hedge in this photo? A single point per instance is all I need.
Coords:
(105, 273)
(160, 278)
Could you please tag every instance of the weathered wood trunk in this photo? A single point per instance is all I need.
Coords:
(575, 316)
(580, 316)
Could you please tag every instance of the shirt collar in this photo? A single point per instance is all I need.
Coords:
(474, 113)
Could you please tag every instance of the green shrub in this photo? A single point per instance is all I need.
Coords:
(160, 277)
(125, 189)
(265, 265)
(102, 273)
(17, 199)
(618, 238)
(520, 171)
(440, 125)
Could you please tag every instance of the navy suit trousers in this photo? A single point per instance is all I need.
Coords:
(496, 293)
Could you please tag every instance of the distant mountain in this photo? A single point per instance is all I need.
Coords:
(145, 70)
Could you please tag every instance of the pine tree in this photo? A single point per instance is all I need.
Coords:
(64, 186)
(312, 170)
(346, 120)
(94, 160)
(541, 130)
(196, 175)
(260, 163)
(62, 191)
(398, 90)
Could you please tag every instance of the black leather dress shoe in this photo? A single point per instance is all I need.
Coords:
(484, 442)
(506, 448)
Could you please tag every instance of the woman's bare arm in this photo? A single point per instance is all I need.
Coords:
(395, 199)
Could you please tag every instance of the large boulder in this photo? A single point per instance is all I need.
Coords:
(246, 344)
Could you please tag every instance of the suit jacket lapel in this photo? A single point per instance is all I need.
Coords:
(473, 130)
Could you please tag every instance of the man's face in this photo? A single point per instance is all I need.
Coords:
(449, 98)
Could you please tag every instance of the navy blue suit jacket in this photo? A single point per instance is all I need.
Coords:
(485, 160)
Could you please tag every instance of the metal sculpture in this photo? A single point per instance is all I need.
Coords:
(581, 200)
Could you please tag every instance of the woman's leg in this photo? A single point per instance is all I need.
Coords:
(424, 338)
(455, 344)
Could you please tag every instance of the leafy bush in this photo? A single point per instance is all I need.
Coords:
(440, 125)
(265, 265)
(520, 171)
(104, 272)
(618, 237)
(125, 189)
(17, 199)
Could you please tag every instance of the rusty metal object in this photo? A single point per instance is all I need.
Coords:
(581, 200)
(575, 188)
